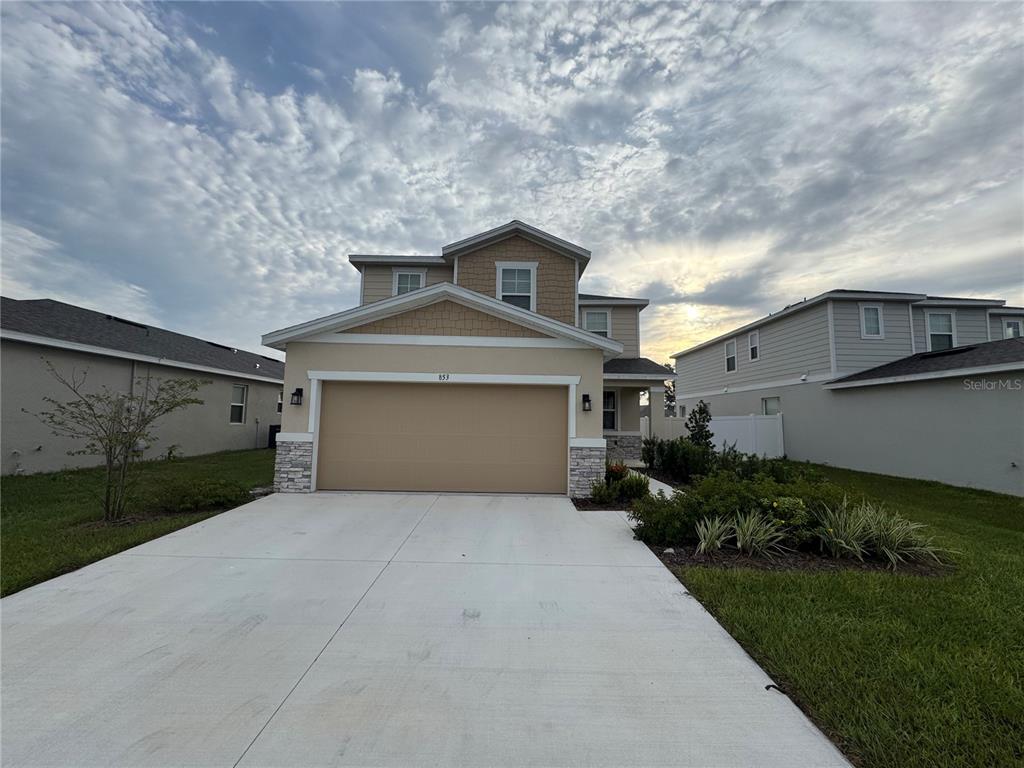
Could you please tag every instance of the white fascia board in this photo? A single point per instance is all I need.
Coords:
(426, 296)
(444, 377)
(614, 302)
(638, 376)
(74, 346)
(953, 373)
(360, 260)
(800, 307)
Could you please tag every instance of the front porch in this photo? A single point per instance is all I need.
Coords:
(626, 382)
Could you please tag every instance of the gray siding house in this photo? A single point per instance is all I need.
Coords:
(898, 383)
(242, 399)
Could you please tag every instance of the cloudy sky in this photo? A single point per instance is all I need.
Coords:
(209, 167)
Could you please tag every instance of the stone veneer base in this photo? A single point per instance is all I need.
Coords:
(624, 447)
(586, 467)
(293, 467)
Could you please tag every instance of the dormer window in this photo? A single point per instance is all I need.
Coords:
(597, 321)
(406, 280)
(517, 284)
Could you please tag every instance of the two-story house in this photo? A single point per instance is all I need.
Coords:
(899, 383)
(482, 369)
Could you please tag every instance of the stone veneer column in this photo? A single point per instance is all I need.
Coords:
(293, 466)
(586, 467)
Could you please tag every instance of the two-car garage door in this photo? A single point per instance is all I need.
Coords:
(442, 437)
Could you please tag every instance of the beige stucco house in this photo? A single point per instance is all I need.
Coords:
(241, 395)
(479, 369)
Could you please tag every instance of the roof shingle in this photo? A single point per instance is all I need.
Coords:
(56, 320)
(971, 356)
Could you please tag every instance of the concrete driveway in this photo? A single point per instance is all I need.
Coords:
(387, 630)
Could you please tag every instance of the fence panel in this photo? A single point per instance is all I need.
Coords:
(762, 435)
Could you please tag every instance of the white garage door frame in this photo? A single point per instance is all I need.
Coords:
(316, 379)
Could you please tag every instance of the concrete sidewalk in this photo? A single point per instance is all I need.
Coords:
(387, 630)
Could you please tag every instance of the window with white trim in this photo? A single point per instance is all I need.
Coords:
(730, 356)
(280, 401)
(515, 286)
(408, 280)
(871, 321)
(1012, 329)
(239, 400)
(609, 410)
(597, 321)
(940, 331)
(754, 342)
(771, 406)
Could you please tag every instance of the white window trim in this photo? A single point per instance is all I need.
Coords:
(771, 397)
(756, 343)
(881, 321)
(396, 271)
(617, 410)
(735, 354)
(244, 404)
(608, 318)
(928, 325)
(530, 265)
(1008, 321)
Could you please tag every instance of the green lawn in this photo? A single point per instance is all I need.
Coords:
(898, 670)
(45, 520)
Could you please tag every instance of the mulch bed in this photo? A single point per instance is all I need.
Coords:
(588, 505)
(791, 561)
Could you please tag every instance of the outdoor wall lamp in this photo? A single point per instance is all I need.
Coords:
(586, 402)
(297, 396)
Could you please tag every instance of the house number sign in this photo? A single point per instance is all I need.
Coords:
(444, 376)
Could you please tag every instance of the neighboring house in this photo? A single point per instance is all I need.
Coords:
(241, 401)
(898, 383)
(479, 369)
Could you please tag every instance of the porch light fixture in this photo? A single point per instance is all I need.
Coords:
(586, 402)
(297, 396)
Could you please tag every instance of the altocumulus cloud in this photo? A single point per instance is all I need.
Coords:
(209, 167)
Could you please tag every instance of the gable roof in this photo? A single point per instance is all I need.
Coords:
(637, 367)
(378, 310)
(974, 359)
(54, 323)
(516, 227)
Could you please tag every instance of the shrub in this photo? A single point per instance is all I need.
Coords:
(602, 493)
(662, 520)
(679, 460)
(723, 495)
(615, 472)
(196, 496)
(647, 450)
(698, 426)
(757, 534)
(843, 530)
(633, 486)
(896, 539)
(712, 533)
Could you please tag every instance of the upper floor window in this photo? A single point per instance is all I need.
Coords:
(1012, 329)
(871, 322)
(597, 321)
(517, 284)
(754, 342)
(730, 356)
(239, 399)
(941, 331)
(405, 280)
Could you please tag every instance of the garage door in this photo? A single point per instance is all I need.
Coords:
(442, 437)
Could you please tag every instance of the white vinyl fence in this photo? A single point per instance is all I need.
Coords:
(761, 435)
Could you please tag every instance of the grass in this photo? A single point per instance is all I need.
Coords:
(46, 521)
(898, 670)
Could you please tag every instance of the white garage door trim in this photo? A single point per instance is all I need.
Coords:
(439, 378)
